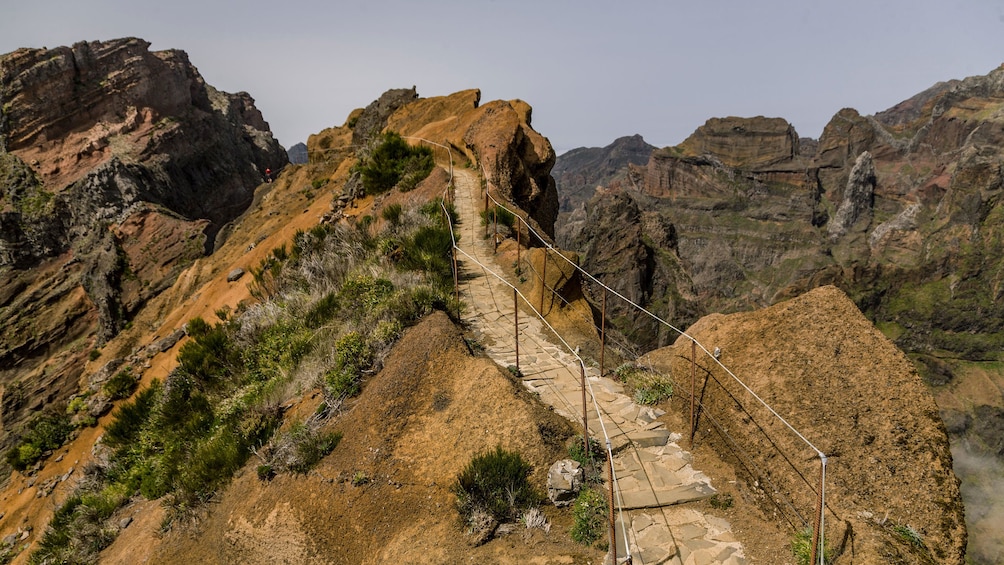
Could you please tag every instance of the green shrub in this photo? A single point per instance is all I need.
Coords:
(361, 295)
(393, 161)
(801, 548)
(309, 447)
(392, 213)
(434, 210)
(212, 464)
(577, 451)
(649, 388)
(94, 354)
(909, 535)
(131, 417)
(276, 350)
(653, 392)
(590, 516)
(721, 501)
(497, 483)
(122, 385)
(265, 472)
(44, 432)
(428, 250)
(352, 355)
(322, 311)
(210, 354)
(498, 214)
(360, 478)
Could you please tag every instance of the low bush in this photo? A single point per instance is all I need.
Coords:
(577, 451)
(909, 535)
(392, 213)
(44, 432)
(590, 515)
(122, 385)
(496, 483)
(131, 417)
(653, 392)
(648, 387)
(801, 548)
(351, 355)
(499, 215)
(392, 163)
(302, 448)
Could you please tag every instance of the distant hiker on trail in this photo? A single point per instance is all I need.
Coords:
(268, 175)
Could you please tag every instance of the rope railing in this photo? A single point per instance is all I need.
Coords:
(819, 518)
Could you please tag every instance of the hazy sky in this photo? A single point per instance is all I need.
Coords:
(593, 71)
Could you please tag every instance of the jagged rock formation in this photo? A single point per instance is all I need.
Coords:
(581, 170)
(889, 462)
(859, 196)
(631, 247)
(118, 167)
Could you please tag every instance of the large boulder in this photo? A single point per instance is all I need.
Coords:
(564, 481)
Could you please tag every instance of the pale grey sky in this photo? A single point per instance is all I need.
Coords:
(593, 71)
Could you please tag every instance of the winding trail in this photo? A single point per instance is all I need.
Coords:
(655, 476)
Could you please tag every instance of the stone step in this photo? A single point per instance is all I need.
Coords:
(636, 499)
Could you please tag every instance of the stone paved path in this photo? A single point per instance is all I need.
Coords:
(655, 475)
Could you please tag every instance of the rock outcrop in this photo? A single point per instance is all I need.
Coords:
(118, 167)
(846, 388)
(632, 248)
(497, 136)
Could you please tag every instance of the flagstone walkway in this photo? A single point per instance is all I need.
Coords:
(655, 476)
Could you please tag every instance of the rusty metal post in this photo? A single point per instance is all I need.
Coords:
(456, 280)
(486, 212)
(543, 281)
(819, 516)
(515, 314)
(603, 330)
(693, 386)
(495, 223)
(585, 421)
(613, 526)
(518, 232)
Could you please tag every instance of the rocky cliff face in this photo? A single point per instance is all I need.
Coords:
(118, 166)
(901, 210)
(581, 170)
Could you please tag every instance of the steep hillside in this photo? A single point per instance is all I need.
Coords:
(900, 210)
(118, 168)
(281, 223)
(415, 426)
